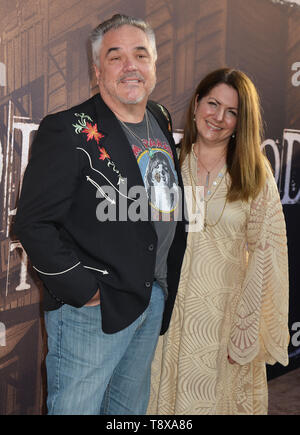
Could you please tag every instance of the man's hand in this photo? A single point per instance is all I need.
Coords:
(94, 301)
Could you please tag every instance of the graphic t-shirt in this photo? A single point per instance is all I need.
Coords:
(155, 160)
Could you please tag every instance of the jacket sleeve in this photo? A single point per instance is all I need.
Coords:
(50, 180)
(260, 325)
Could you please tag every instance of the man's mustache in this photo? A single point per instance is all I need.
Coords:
(134, 75)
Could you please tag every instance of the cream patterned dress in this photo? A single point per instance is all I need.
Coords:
(232, 298)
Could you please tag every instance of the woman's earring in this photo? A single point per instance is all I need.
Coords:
(233, 135)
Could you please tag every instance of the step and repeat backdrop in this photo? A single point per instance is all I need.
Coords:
(45, 66)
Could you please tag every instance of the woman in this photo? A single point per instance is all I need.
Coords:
(230, 316)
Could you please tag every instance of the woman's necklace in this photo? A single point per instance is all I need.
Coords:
(210, 170)
(148, 149)
(193, 182)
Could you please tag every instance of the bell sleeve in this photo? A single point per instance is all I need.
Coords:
(260, 323)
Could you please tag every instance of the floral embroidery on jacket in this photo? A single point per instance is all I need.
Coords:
(103, 154)
(83, 126)
(92, 132)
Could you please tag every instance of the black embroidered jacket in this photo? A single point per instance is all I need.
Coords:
(74, 155)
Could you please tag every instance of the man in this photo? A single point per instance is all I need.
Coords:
(110, 283)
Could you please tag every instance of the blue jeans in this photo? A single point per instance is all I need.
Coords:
(90, 372)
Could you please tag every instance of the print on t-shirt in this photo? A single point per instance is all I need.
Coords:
(159, 175)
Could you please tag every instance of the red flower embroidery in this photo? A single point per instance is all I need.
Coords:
(103, 154)
(92, 132)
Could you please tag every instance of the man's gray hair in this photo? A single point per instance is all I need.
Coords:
(115, 22)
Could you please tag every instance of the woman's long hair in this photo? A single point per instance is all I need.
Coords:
(246, 163)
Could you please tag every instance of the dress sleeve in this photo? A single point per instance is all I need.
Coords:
(260, 323)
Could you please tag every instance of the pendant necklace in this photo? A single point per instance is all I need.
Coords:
(208, 171)
(206, 201)
(148, 149)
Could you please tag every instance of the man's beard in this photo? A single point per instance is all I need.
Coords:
(137, 100)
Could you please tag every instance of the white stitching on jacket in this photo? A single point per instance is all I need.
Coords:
(112, 201)
(96, 170)
(104, 272)
(57, 273)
